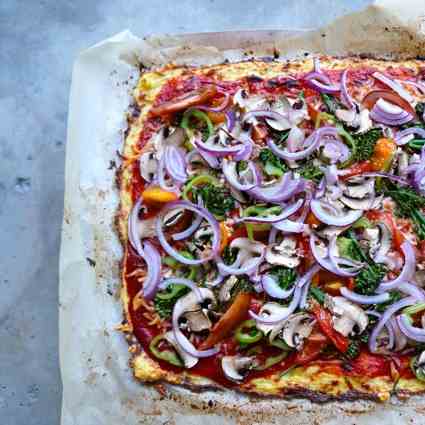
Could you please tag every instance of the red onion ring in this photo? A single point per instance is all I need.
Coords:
(347, 100)
(412, 332)
(246, 151)
(400, 339)
(417, 84)
(272, 288)
(197, 210)
(175, 163)
(133, 234)
(161, 177)
(336, 151)
(364, 299)
(394, 85)
(406, 273)
(312, 142)
(384, 319)
(381, 113)
(231, 175)
(308, 275)
(321, 83)
(407, 132)
(412, 290)
(190, 230)
(230, 119)
(317, 208)
(152, 259)
(286, 212)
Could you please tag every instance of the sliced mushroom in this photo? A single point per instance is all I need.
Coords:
(271, 309)
(173, 216)
(235, 367)
(297, 328)
(249, 103)
(146, 228)
(347, 115)
(177, 137)
(285, 253)
(358, 194)
(330, 232)
(188, 360)
(148, 166)
(194, 315)
(380, 239)
(348, 318)
(224, 294)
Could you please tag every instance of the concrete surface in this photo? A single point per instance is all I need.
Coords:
(38, 43)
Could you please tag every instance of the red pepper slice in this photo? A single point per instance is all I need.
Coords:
(195, 97)
(324, 320)
(312, 348)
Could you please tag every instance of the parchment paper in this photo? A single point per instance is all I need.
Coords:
(98, 388)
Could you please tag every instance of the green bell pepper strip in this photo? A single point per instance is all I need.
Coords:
(413, 309)
(198, 181)
(419, 372)
(175, 265)
(202, 116)
(166, 355)
(280, 343)
(250, 337)
(259, 210)
(271, 361)
(416, 144)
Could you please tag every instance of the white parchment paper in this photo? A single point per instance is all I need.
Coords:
(98, 388)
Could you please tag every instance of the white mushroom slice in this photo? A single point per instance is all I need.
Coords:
(188, 360)
(402, 160)
(285, 253)
(203, 231)
(235, 366)
(191, 310)
(347, 115)
(359, 188)
(346, 315)
(225, 289)
(271, 309)
(373, 236)
(173, 216)
(146, 228)
(157, 141)
(297, 328)
(148, 166)
(177, 137)
(383, 245)
(330, 232)
(249, 103)
(357, 204)
(364, 121)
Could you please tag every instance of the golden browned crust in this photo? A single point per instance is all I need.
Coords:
(309, 381)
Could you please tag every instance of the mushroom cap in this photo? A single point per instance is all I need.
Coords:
(233, 366)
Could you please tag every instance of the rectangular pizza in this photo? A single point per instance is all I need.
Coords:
(272, 215)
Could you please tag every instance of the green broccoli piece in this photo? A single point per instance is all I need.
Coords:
(365, 144)
(229, 255)
(285, 276)
(394, 297)
(420, 109)
(310, 172)
(164, 300)
(331, 103)
(409, 205)
(317, 294)
(353, 350)
(242, 285)
(216, 199)
(273, 165)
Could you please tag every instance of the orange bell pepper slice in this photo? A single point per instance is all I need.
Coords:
(225, 234)
(231, 319)
(156, 195)
(383, 154)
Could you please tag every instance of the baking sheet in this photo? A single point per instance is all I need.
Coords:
(98, 388)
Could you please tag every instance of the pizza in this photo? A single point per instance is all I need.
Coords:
(272, 216)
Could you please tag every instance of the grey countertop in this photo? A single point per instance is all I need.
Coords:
(39, 42)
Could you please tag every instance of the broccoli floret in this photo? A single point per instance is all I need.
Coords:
(216, 199)
(365, 144)
(310, 172)
(273, 165)
(317, 294)
(242, 285)
(394, 297)
(420, 109)
(164, 300)
(284, 275)
(331, 103)
(229, 255)
(353, 350)
(409, 204)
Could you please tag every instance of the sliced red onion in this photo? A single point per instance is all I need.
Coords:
(289, 226)
(394, 85)
(389, 114)
(223, 105)
(175, 163)
(182, 281)
(162, 177)
(364, 299)
(190, 230)
(321, 83)
(272, 236)
(384, 319)
(230, 120)
(417, 84)
(400, 339)
(230, 173)
(264, 113)
(133, 234)
(346, 99)
(209, 158)
(282, 190)
(308, 275)
(199, 211)
(152, 259)
(401, 139)
(246, 150)
(312, 142)
(271, 320)
(286, 212)
(397, 179)
(336, 151)
(321, 211)
(249, 266)
(272, 288)
(412, 332)
(295, 139)
(406, 273)
(412, 290)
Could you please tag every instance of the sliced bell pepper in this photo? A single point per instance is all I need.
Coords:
(235, 314)
(199, 115)
(247, 333)
(383, 154)
(169, 356)
(156, 195)
(324, 320)
(225, 234)
(198, 181)
(312, 348)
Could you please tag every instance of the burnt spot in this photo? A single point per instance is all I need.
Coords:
(91, 262)
(254, 79)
